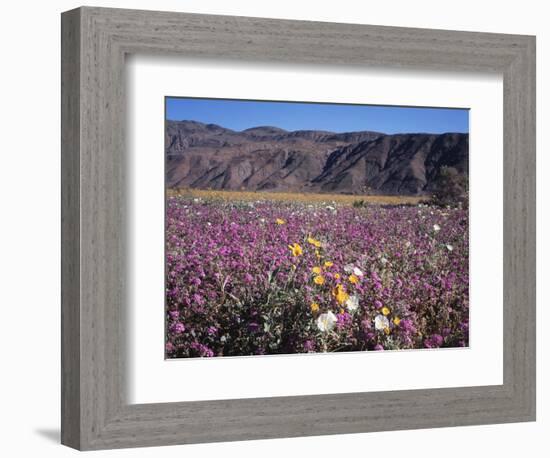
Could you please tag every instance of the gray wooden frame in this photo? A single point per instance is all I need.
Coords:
(95, 413)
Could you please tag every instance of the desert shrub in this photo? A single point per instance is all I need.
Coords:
(451, 188)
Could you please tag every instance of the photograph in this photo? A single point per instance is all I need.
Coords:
(305, 227)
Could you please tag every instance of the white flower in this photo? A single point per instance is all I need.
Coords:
(326, 321)
(352, 303)
(262, 220)
(358, 271)
(383, 260)
(348, 268)
(437, 228)
(450, 247)
(381, 322)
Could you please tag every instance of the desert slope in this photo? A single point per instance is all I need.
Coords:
(269, 158)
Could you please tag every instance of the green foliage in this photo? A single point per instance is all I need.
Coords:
(451, 188)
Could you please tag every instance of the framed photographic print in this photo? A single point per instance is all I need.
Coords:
(287, 228)
(284, 241)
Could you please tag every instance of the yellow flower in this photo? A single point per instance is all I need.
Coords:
(280, 221)
(396, 321)
(319, 280)
(314, 242)
(316, 270)
(295, 249)
(340, 294)
(293, 267)
(317, 254)
(353, 279)
(387, 330)
(314, 307)
(337, 276)
(329, 263)
(385, 311)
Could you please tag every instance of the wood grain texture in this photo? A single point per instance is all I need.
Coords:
(96, 413)
(70, 229)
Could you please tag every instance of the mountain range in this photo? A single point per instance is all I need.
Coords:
(267, 158)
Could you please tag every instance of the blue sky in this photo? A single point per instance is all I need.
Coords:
(242, 114)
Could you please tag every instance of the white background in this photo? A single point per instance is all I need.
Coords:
(29, 238)
(150, 79)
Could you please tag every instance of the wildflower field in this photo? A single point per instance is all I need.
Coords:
(254, 277)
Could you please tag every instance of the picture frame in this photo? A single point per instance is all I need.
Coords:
(95, 410)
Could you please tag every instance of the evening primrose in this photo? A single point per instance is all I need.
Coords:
(326, 321)
(381, 323)
(352, 303)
